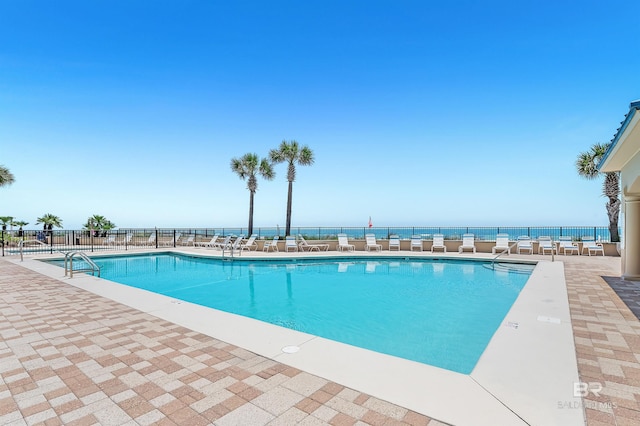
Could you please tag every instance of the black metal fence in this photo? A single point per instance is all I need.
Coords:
(39, 241)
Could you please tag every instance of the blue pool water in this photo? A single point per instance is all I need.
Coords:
(438, 312)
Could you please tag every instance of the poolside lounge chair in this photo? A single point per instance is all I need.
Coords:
(237, 243)
(152, 239)
(591, 246)
(190, 241)
(524, 244)
(125, 241)
(271, 245)
(438, 243)
(111, 240)
(250, 244)
(468, 243)
(290, 243)
(304, 245)
(394, 242)
(502, 244)
(173, 240)
(566, 244)
(416, 242)
(224, 244)
(371, 243)
(546, 244)
(209, 243)
(343, 243)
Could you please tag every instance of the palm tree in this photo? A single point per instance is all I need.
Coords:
(20, 224)
(587, 166)
(99, 223)
(291, 153)
(247, 167)
(6, 177)
(6, 220)
(48, 221)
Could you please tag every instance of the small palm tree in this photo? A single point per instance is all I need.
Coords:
(292, 154)
(587, 166)
(99, 223)
(6, 177)
(49, 221)
(6, 220)
(248, 167)
(20, 224)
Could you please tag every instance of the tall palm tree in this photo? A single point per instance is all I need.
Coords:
(6, 177)
(587, 166)
(292, 154)
(248, 167)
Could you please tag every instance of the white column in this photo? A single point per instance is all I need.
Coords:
(631, 251)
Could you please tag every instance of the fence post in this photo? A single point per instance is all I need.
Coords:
(156, 231)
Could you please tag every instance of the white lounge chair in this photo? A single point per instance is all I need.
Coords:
(502, 244)
(152, 239)
(546, 244)
(189, 241)
(591, 246)
(111, 240)
(304, 245)
(250, 244)
(224, 244)
(209, 243)
(416, 243)
(371, 243)
(237, 243)
(524, 244)
(438, 243)
(290, 243)
(126, 240)
(468, 243)
(343, 243)
(566, 245)
(271, 245)
(173, 240)
(394, 242)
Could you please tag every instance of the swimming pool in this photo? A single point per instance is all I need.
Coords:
(437, 312)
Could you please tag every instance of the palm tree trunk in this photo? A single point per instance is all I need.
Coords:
(250, 228)
(613, 209)
(289, 196)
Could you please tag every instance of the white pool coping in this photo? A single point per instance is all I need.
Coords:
(526, 375)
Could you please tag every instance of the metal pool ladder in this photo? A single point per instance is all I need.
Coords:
(68, 264)
(68, 259)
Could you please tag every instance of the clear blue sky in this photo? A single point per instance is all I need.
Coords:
(426, 113)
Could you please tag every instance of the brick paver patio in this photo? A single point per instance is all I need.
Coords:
(70, 357)
(607, 338)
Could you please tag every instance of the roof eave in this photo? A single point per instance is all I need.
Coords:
(633, 107)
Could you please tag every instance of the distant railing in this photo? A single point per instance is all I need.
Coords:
(125, 239)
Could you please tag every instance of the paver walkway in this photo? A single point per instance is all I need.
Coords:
(607, 338)
(70, 357)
